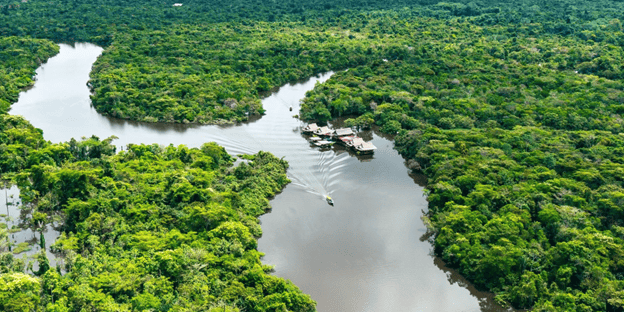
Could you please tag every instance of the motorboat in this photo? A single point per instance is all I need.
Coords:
(323, 143)
(329, 200)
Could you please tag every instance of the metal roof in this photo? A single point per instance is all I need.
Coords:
(347, 138)
(344, 131)
(366, 146)
(310, 127)
(323, 130)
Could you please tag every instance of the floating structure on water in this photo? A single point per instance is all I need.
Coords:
(324, 131)
(310, 128)
(347, 140)
(323, 143)
(365, 148)
(343, 132)
(345, 136)
(358, 144)
(320, 142)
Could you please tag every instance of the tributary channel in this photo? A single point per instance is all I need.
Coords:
(366, 253)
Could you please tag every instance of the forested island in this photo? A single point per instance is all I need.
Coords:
(512, 109)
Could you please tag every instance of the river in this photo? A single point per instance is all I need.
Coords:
(366, 253)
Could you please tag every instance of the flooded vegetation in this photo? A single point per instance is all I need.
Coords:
(25, 238)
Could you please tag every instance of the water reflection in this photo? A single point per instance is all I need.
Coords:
(120, 124)
(486, 299)
(362, 254)
(419, 178)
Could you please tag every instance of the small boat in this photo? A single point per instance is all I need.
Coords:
(291, 108)
(329, 200)
(323, 143)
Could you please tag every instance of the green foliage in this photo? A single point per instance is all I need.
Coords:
(19, 57)
(519, 136)
(147, 228)
(205, 63)
(512, 109)
(212, 73)
(152, 227)
(531, 234)
(19, 292)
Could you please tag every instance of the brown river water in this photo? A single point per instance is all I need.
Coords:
(366, 253)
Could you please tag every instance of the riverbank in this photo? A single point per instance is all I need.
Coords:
(150, 227)
(297, 237)
(520, 168)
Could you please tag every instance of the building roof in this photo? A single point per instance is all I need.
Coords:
(323, 130)
(347, 138)
(311, 127)
(344, 131)
(366, 146)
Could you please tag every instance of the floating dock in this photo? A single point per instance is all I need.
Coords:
(345, 136)
(320, 142)
(357, 144)
(343, 132)
(365, 148)
(323, 143)
(310, 128)
(347, 140)
(323, 131)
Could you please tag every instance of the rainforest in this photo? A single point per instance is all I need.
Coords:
(512, 110)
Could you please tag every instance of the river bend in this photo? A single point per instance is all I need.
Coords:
(366, 253)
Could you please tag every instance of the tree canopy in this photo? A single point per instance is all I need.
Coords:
(513, 110)
(150, 228)
(520, 138)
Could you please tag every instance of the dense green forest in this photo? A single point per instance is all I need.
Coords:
(521, 139)
(149, 228)
(19, 58)
(208, 62)
(513, 109)
(207, 74)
